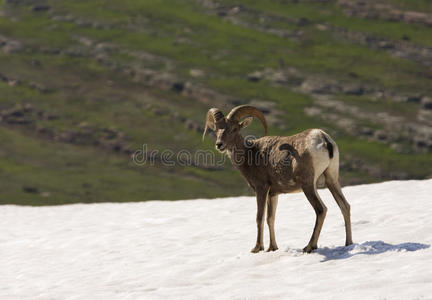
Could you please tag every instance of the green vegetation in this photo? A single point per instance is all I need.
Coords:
(88, 63)
(62, 173)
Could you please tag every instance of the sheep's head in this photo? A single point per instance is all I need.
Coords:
(228, 128)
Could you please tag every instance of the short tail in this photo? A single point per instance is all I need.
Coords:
(329, 146)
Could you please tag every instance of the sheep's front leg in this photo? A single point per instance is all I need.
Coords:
(272, 202)
(261, 205)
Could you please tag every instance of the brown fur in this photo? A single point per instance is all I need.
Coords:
(272, 165)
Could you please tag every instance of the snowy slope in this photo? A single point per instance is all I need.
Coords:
(199, 249)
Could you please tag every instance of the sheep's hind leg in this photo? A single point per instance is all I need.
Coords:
(335, 189)
(272, 202)
(320, 211)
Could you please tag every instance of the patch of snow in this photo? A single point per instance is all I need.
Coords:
(199, 249)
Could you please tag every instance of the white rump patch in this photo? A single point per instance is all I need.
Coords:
(318, 151)
(315, 139)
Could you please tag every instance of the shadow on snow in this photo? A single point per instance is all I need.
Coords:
(367, 248)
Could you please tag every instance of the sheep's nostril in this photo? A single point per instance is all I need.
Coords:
(218, 145)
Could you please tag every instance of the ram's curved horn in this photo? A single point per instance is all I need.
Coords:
(214, 115)
(239, 112)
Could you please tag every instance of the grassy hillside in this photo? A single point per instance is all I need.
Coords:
(84, 84)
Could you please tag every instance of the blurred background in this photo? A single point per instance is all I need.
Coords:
(84, 84)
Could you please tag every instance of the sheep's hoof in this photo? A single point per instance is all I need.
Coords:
(309, 248)
(272, 248)
(257, 249)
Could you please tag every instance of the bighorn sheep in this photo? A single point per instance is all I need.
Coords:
(273, 165)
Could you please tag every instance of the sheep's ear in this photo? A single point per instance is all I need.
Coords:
(246, 122)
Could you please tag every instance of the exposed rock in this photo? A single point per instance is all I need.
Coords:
(66, 137)
(234, 10)
(38, 86)
(162, 80)
(322, 27)
(74, 52)
(315, 84)
(426, 103)
(302, 21)
(413, 99)
(116, 146)
(353, 90)
(20, 114)
(400, 48)
(209, 4)
(108, 138)
(384, 44)
(381, 135)
(85, 134)
(10, 81)
(63, 18)
(393, 129)
(27, 107)
(425, 116)
(319, 86)
(177, 87)
(206, 96)
(30, 189)
(110, 133)
(354, 164)
(371, 9)
(45, 194)
(182, 41)
(45, 131)
(266, 22)
(350, 118)
(84, 126)
(143, 75)
(196, 73)
(417, 17)
(195, 126)
(286, 76)
(46, 116)
(83, 23)
(10, 46)
(255, 76)
(160, 111)
(85, 41)
(313, 111)
(400, 148)
(16, 2)
(366, 131)
(39, 8)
